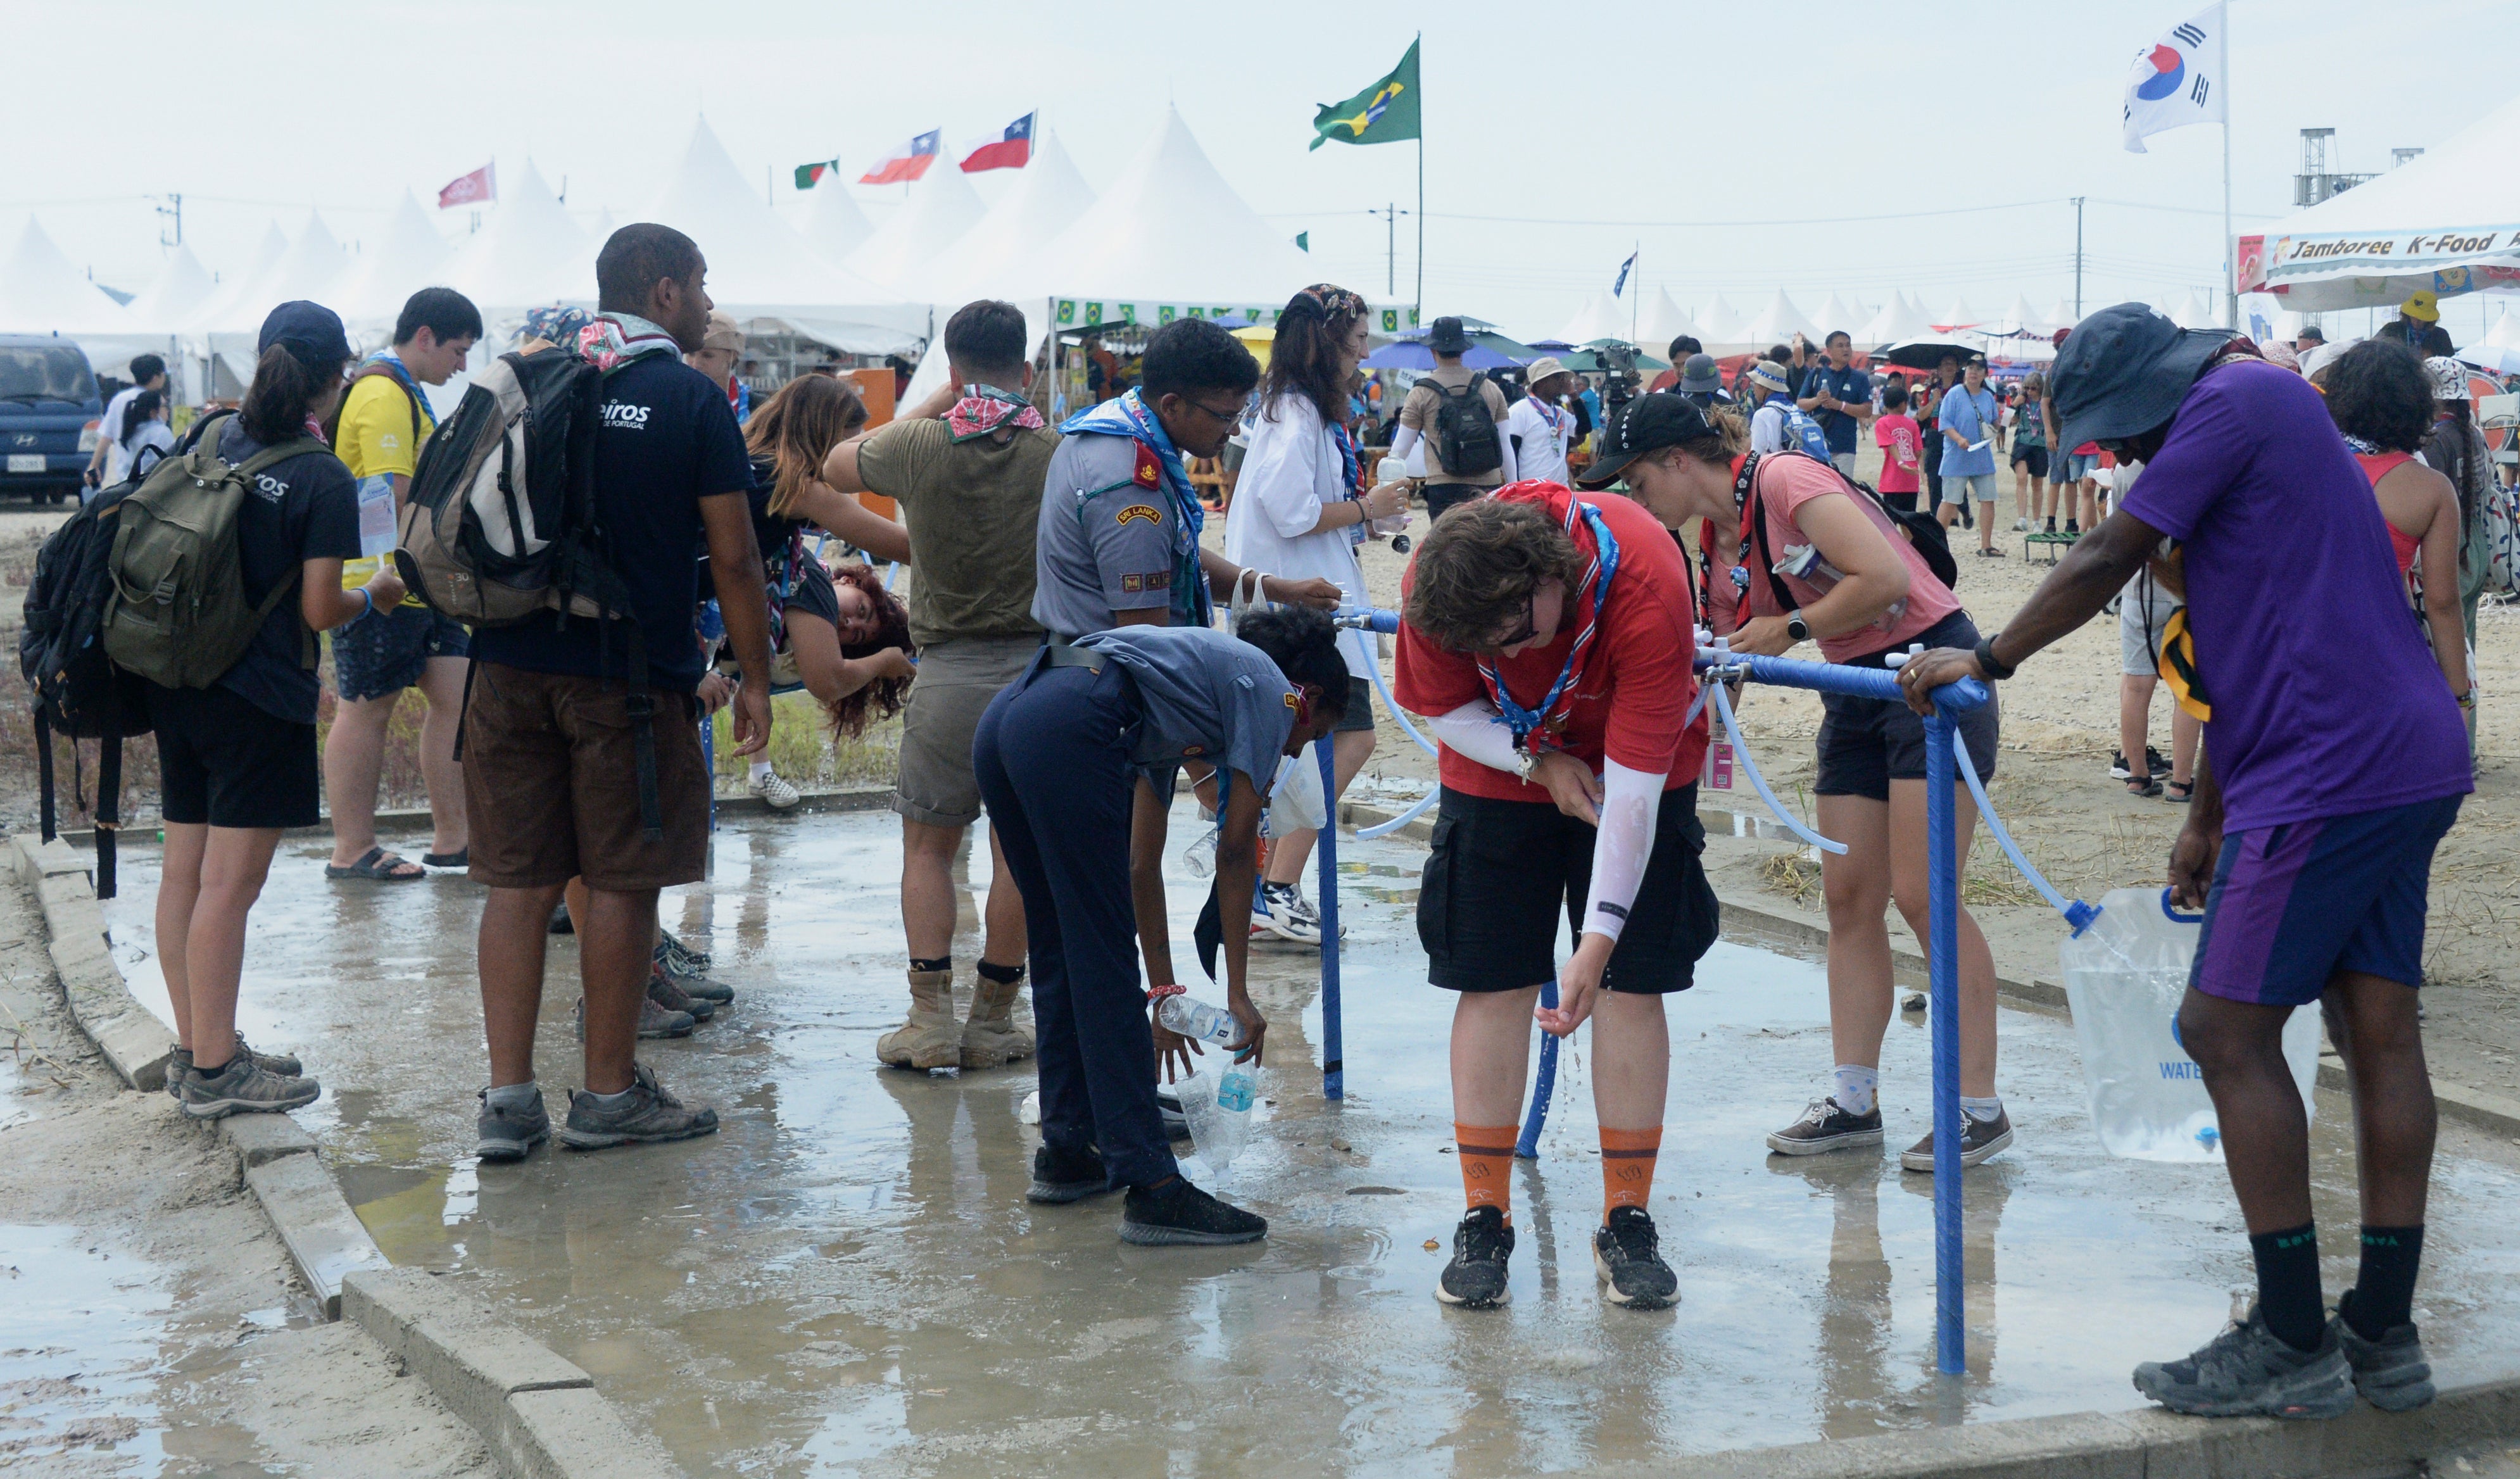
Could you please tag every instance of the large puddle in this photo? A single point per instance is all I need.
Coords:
(848, 1279)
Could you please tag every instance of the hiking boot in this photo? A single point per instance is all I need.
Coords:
(1979, 1140)
(2248, 1370)
(681, 959)
(242, 1085)
(1827, 1127)
(285, 1065)
(2391, 1373)
(992, 1038)
(1476, 1278)
(507, 1134)
(647, 1116)
(932, 1038)
(662, 991)
(179, 1067)
(1178, 1213)
(1060, 1176)
(685, 969)
(1627, 1256)
(655, 1021)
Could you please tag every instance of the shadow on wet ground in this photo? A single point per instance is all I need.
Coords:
(847, 1279)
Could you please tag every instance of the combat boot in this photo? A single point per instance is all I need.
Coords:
(932, 1038)
(993, 1038)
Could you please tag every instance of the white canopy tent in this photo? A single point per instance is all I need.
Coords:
(1664, 321)
(411, 255)
(1602, 316)
(1897, 322)
(1955, 317)
(2060, 315)
(178, 290)
(311, 268)
(1777, 324)
(2447, 220)
(519, 258)
(906, 248)
(1836, 314)
(1719, 326)
(41, 293)
(835, 226)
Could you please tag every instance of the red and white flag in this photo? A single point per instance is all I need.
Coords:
(481, 185)
(1010, 150)
(906, 163)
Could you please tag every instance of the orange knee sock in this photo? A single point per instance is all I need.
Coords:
(1628, 1167)
(1487, 1165)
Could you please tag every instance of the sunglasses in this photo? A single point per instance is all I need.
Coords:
(1525, 631)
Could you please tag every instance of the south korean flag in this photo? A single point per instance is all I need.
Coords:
(2178, 80)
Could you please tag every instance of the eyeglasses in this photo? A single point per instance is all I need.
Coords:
(1523, 633)
(1228, 417)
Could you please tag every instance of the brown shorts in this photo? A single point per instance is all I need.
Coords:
(957, 679)
(550, 781)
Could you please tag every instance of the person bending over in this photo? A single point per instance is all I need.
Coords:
(1551, 636)
(1075, 760)
(2312, 869)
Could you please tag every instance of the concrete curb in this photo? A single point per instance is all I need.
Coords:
(135, 1043)
(539, 1412)
(399, 823)
(2148, 1444)
(1773, 922)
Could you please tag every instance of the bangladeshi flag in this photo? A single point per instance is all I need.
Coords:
(810, 175)
(1384, 113)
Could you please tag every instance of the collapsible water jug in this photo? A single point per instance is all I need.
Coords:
(2125, 975)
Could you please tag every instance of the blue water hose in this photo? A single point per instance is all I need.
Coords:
(1759, 782)
(1374, 619)
(1526, 1147)
(2076, 914)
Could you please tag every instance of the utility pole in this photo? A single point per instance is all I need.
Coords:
(172, 205)
(1391, 215)
(2078, 259)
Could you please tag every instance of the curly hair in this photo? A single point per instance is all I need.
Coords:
(1308, 358)
(1304, 645)
(797, 428)
(2378, 392)
(883, 698)
(1476, 571)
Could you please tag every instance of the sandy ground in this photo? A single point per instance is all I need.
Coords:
(152, 1323)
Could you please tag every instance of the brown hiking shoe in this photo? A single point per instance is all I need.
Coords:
(932, 1038)
(666, 992)
(655, 1021)
(992, 1038)
(647, 1114)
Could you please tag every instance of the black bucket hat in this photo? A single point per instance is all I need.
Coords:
(2123, 371)
(1645, 424)
(1447, 336)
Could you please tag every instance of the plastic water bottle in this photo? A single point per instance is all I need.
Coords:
(1391, 469)
(2125, 977)
(1217, 1104)
(1197, 1019)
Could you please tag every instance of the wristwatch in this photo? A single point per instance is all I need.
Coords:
(1797, 628)
(1986, 658)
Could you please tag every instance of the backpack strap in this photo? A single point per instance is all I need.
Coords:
(310, 651)
(1754, 539)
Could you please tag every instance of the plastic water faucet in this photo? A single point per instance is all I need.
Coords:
(1899, 659)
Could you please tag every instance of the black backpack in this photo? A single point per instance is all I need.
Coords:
(1466, 442)
(1923, 530)
(78, 690)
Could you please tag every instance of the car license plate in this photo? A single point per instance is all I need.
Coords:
(26, 461)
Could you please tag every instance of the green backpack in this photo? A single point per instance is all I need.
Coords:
(177, 614)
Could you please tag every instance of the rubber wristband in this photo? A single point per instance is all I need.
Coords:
(370, 600)
(1986, 658)
(1156, 994)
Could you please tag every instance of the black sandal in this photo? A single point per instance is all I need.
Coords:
(2143, 786)
(377, 865)
(2182, 792)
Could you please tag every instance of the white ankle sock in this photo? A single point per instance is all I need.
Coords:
(1983, 1110)
(1857, 1087)
(760, 768)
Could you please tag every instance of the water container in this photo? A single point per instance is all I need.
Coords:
(1296, 801)
(2125, 977)
(1194, 1018)
(1217, 1103)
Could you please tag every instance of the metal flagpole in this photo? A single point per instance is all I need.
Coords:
(2230, 278)
(1421, 299)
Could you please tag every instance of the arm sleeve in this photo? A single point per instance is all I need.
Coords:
(1279, 471)
(1476, 731)
(1403, 440)
(1631, 804)
(1130, 531)
(1413, 411)
(1506, 469)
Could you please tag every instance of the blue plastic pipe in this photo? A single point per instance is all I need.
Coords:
(1326, 850)
(2076, 914)
(1759, 782)
(1942, 962)
(1526, 1147)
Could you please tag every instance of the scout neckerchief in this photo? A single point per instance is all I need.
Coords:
(411, 387)
(1538, 730)
(1349, 472)
(615, 339)
(983, 409)
(1158, 463)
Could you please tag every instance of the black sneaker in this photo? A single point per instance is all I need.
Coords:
(2119, 770)
(1627, 1257)
(2391, 1373)
(1979, 1140)
(2247, 1370)
(509, 1135)
(1062, 1176)
(670, 997)
(1177, 1213)
(1476, 1278)
(649, 1116)
(2072, 529)
(1827, 1127)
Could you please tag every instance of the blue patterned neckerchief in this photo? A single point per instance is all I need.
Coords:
(1127, 416)
(410, 384)
(1345, 441)
(1537, 729)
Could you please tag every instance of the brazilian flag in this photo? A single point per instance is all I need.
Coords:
(1384, 113)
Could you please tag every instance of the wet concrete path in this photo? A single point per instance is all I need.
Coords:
(848, 1279)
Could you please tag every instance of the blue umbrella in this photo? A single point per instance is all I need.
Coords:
(1406, 354)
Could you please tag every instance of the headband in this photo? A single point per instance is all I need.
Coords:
(1326, 300)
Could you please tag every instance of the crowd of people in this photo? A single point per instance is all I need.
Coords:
(1071, 650)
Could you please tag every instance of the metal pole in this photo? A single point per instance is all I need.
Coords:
(1325, 849)
(1943, 960)
(1391, 249)
(2078, 259)
(2230, 276)
(1421, 215)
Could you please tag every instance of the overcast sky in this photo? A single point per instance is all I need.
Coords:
(1613, 124)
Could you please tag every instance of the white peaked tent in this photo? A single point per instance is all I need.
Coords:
(409, 255)
(941, 210)
(1719, 326)
(179, 289)
(1886, 325)
(311, 268)
(41, 293)
(759, 268)
(1836, 314)
(1047, 197)
(2021, 319)
(1778, 323)
(522, 255)
(835, 226)
(604, 226)
(1602, 316)
(267, 253)
(1664, 321)
(2060, 315)
(2505, 333)
(2193, 313)
(1956, 317)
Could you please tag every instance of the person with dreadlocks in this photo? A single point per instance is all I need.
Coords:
(1551, 635)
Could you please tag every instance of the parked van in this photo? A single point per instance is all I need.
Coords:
(50, 416)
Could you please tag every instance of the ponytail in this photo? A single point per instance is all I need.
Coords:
(138, 412)
(284, 391)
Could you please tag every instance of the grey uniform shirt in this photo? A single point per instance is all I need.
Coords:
(1206, 695)
(1105, 539)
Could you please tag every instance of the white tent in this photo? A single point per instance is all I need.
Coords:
(41, 293)
(1719, 326)
(1777, 324)
(1602, 316)
(835, 226)
(2021, 318)
(2443, 220)
(179, 289)
(1664, 321)
(520, 258)
(312, 267)
(1046, 199)
(1834, 315)
(410, 256)
(2505, 333)
(1894, 322)
(2060, 315)
(2194, 313)
(941, 210)
(1955, 317)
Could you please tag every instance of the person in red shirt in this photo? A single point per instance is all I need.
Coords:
(1550, 636)
(1903, 448)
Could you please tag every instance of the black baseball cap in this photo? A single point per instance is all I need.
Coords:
(311, 332)
(1647, 423)
(2123, 371)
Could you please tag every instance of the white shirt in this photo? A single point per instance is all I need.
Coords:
(1289, 474)
(116, 458)
(1542, 434)
(1768, 426)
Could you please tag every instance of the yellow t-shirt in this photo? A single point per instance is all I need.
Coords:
(377, 439)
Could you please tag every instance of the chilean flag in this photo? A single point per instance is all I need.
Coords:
(1013, 151)
(906, 163)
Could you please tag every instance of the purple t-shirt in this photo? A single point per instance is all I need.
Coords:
(2326, 698)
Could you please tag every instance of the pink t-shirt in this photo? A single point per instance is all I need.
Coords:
(1902, 451)
(1785, 484)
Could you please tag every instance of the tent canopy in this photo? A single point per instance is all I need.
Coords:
(835, 226)
(1777, 324)
(2446, 220)
(904, 250)
(1835, 315)
(1603, 315)
(1046, 199)
(1664, 320)
(520, 257)
(180, 287)
(311, 268)
(1720, 326)
(41, 293)
(411, 257)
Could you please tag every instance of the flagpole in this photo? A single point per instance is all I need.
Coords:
(2230, 275)
(1413, 43)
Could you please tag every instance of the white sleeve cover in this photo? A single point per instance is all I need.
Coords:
(1476, 731)
(1631, 802)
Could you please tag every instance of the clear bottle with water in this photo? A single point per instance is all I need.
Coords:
(2125, 977)
(1194, 1018)
(1217, 1103)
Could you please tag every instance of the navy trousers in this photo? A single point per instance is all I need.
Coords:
(1052, 754)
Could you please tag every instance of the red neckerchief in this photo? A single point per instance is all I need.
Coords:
(1563, 505)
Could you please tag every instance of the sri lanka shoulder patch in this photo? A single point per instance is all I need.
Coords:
(1136, 511)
